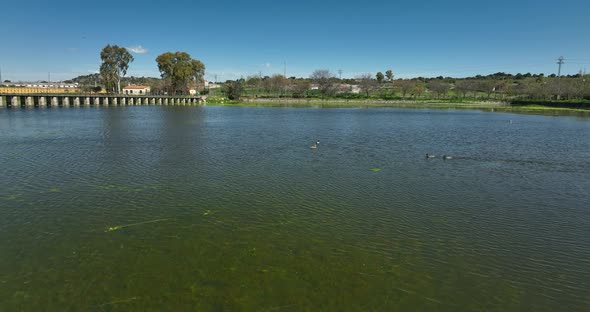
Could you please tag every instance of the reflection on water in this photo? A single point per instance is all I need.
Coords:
(220, 208)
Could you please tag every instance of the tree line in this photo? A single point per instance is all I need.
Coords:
(499, 86)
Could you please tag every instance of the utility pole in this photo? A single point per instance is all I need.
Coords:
(340, 74)
(560, 62)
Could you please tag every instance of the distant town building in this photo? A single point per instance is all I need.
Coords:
(211, 85)
(340, 88)
(136, 90)
(38, 87)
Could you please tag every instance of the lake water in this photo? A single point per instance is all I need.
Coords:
(228, 209)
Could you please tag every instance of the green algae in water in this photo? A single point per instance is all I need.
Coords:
(55, 190)
(375, 169)
(15, 197)
(118, 227)
(206, 213)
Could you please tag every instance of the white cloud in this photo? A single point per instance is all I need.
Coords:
(138, 49)
(267, 65)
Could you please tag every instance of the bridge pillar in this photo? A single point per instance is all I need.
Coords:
(123, 101)
(159, 101)
(42, 101)
(87, 101)
(1, 101)
(66, 101)
(96, 101)
(77, 101)
(14, 102)
(114, 101)
(29, 101)
(166, 101)
(131, 102)
(54, 101)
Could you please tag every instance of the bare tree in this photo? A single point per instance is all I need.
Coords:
(281, 83)
(367, 83)
(323, 79)
(487, 86)
(418, 89)
(463, 86)
(254, 82)
(299, 88)
(406, 86)
(438, 87)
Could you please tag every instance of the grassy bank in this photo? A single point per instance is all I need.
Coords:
(492, 106)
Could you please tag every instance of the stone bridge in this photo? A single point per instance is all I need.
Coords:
(44, 100)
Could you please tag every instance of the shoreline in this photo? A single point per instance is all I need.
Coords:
(489, 106)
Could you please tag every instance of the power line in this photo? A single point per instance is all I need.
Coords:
(560, 62)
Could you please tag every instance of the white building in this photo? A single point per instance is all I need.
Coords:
(211, 85)
(136, 90)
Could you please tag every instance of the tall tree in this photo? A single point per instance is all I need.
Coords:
(178, 69)
(389, 75)
(379, 77)
(115, 62)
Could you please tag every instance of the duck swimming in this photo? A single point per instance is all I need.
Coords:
(430, 156)
(314, 146)
(447, 157)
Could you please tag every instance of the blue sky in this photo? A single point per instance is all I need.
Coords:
(413, 38)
